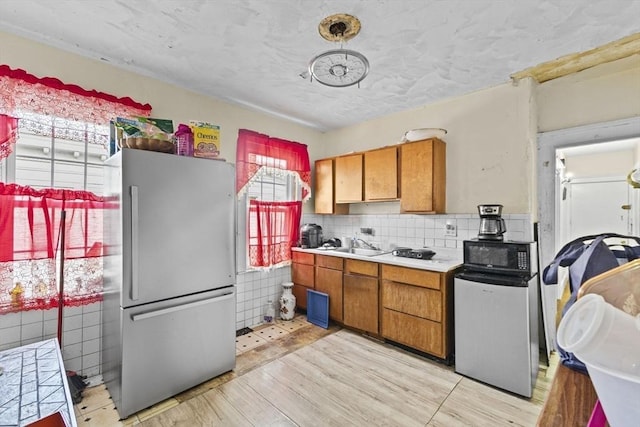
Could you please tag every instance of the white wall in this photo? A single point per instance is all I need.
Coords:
(490, 145)
(614, 163)
(604, 93)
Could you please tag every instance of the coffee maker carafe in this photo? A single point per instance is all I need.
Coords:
(492, 226)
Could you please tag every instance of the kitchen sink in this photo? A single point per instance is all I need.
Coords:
(362, 251)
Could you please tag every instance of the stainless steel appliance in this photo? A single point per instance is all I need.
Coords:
(421, 253)
(169, 276)
(310, 236)
(492, 225)
(506, 257)
(496, 315)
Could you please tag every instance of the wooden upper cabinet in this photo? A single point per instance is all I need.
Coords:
(381, 174)
(349, 178)
(324, 195)
(423, 176)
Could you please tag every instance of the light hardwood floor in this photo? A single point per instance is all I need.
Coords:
(335, 377)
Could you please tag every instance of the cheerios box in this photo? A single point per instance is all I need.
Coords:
(206, 139)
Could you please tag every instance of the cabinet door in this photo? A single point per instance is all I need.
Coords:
(381, 174)
(360, 296)
(349, 178)
(330, 282)
(324, 195)
(302, 276)
(423, 176)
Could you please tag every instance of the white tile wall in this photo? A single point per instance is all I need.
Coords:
(254, 290)
(417, 230)
(80, 339)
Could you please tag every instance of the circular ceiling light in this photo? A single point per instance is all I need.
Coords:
(339, 68)
(339, 27)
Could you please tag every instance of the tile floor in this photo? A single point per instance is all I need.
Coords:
(97, 409)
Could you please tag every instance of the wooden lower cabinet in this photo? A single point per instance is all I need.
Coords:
(303, 276)
(417, 309)
(328, 280)
(415, 332)
(360, 296)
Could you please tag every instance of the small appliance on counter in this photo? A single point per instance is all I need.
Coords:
(310, 236)
(422, 253)
(492, 226)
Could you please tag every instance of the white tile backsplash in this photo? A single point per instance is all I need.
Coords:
(81, 334)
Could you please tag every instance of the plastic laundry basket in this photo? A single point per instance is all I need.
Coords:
(607, 340)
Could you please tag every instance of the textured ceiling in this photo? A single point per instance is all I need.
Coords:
(252, 52)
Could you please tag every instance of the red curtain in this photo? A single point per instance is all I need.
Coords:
(255, 151)
(8, 134)
(30, 226)
(277, 227)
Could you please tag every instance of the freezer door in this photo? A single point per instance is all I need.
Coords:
(171, 346)
(178, 216)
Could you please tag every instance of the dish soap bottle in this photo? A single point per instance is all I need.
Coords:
(269, 312)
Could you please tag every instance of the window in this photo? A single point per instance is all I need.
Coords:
(58, 153)
(50, 171)
(272, 181)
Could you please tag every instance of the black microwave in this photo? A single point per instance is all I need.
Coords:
(501, 257)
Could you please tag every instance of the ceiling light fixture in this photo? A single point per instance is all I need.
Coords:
(338, 67)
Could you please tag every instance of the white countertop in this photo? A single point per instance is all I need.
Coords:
(444, 260)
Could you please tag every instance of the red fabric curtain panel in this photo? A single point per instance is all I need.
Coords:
(30, 222)
(277, 230)
(255, 150)
(8, 134)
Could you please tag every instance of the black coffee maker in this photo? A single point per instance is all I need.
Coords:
(310, 236)
(492, 226)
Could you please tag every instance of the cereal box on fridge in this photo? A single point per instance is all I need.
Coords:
(206, 139)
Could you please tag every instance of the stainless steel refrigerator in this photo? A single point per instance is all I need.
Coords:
(169, 307)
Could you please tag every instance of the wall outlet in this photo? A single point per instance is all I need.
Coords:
(450, 229)
(367, 231)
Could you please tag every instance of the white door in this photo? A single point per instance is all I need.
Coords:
(598, 206)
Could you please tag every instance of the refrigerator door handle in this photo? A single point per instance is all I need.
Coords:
(163, 311)
(134, 243)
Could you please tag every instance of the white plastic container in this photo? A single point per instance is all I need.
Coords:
(607, 340)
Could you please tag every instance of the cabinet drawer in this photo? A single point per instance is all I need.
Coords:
(361, 267)
(332, 262)
(421, 334)
(426, 279)
(302, 274)
(414, 300)
(302, 257)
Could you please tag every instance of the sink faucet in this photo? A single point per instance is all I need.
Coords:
(356, 242)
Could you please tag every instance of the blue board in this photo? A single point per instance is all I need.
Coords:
(318, 308)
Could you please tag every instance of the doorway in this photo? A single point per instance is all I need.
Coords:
(549, 187)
